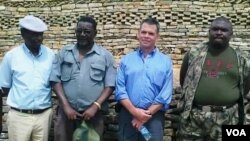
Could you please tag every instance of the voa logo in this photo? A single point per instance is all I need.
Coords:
(236, 132)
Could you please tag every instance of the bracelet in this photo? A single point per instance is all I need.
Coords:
(97, 104)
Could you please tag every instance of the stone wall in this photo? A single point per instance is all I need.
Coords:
(183, 24)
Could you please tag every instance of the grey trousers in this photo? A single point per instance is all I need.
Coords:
(64, 128)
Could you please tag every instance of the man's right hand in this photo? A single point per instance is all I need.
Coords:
(142, 115)
(71, 113)
(136, 123)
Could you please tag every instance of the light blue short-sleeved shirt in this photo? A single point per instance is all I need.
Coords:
(27, 76)
(83, 81)
(145, 81)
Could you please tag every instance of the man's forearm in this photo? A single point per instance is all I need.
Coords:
(58, 89)
(154, 108)
(5, 91)
(129, 106)
(1, 92)
(106, 92)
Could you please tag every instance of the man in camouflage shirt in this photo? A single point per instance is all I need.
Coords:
(214, 79)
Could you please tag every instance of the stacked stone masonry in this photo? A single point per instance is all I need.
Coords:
(183, 24)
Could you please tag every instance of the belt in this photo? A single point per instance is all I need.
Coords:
(212, 108)
(36, 111)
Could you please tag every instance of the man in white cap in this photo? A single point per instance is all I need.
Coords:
(24, 77)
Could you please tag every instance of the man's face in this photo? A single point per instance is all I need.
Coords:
(147, 36)
(85, 34)
(33, 39)
(220, 33)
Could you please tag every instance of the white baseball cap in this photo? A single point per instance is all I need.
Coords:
(33, 23)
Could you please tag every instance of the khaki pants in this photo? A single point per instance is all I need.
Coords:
(29, 127)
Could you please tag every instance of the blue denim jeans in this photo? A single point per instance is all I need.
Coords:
(128, 133)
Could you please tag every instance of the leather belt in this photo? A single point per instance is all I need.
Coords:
(36, 111)
(212, 108)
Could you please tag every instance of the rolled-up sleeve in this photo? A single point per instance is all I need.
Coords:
(120, 89)
(110, 72)
(5, 72)
(55, 75)
(165, 95)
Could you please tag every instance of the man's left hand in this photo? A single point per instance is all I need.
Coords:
(90, 112)
(137, 123)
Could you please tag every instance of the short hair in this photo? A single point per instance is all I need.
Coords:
(87, 19)
(151, 21)
(223, 19)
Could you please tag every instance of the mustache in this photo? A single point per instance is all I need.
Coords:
(218, 37)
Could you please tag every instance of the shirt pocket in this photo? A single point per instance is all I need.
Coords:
(66, 71)
(97, 71)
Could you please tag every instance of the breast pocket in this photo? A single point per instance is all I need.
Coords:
(97, 72)
(66, 71)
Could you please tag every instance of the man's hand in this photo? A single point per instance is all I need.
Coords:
(142, 115)
(90, 112)
(71, 113)
(136, 123)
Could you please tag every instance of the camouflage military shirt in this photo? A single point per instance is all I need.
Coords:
(197, 56)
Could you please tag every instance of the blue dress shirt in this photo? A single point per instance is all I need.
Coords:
(27, 76)
(145, 81)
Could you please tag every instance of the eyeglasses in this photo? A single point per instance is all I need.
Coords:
(80, 31)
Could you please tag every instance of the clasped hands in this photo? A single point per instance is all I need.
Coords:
(86, 115)
(141, 116)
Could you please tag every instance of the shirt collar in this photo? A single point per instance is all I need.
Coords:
(139, 50)
(28, 51)
(93, 49)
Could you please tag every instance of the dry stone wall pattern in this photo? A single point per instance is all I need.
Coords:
(183, 24)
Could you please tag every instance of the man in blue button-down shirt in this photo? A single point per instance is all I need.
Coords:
(144, 86)
(24, 76)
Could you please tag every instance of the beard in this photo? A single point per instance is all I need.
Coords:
(84, 44)
(218, 42)
(33, 44)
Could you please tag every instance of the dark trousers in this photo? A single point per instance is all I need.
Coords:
(64, 128)
(128, 133)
